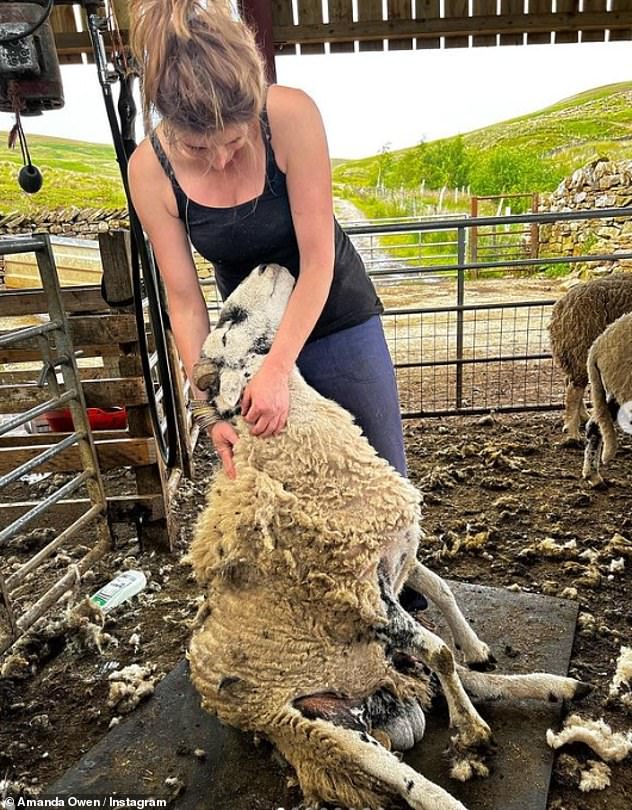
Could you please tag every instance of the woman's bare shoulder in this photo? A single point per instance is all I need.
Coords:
(286, 103)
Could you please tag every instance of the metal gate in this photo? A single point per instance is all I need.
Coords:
(462, 340)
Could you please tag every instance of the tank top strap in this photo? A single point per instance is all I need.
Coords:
(163, 159)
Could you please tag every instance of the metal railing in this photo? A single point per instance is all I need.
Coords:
(461, 355)
(473, 356)
(58, 357)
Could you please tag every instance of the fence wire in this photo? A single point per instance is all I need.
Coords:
(457, 345)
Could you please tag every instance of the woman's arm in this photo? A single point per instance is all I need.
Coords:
(187, 308)
(152, 197)
(300, 147)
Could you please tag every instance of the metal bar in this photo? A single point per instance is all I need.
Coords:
(466, 361)
(19, 524)
(467, 222)
(460, 299)
(25, 468)
(6, 598)
(445, 268)
(45, 552)
(38, 410)
(471, 307)
(59, 588)
(70, 374)
(28, 332)
(22, 244)
(475, 411)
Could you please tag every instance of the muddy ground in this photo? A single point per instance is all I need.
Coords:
(494, 487)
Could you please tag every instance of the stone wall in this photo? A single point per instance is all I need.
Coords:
(601, 184)
(82, 223)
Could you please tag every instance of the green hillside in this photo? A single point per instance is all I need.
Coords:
(75, 173)
(530, 153)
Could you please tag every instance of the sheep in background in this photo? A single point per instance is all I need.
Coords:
(303, 556)
(578, 318)
(610, 373)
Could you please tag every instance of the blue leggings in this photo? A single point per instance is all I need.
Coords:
(354, 368)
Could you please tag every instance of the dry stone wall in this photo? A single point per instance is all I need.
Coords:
(82, 223)
(600, 184)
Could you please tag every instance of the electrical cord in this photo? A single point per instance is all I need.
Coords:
(11, 38)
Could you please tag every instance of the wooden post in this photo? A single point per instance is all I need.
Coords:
(258, 15)
(151, 478)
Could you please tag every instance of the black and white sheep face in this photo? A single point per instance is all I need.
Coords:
(244, 332)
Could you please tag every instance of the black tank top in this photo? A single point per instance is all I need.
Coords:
(237, 239)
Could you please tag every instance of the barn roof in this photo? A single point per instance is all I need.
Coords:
(314, 26)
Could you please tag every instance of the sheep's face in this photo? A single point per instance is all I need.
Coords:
(247, 324)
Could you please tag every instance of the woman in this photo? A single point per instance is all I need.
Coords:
(242, 171)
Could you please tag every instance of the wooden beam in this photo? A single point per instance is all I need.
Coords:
(341, 10)
(428, 10)
(370, 10)
(309, 13)
(51, 437)
(121, 509)
(111, 455)
(539, 7)
(454, 10)
(400, 10)
(624, 33)
(98, 394)
(94, 330)
(258, 15)
(28, 355)
(455, 26)
(485, 8)
(33, 302)
(512, 8)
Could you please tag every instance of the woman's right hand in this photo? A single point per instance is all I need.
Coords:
(224, 437)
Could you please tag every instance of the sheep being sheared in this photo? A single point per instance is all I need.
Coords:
(578, 318)
(610, 374)
(303, 556)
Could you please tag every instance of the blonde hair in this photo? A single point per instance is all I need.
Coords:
(201, 68)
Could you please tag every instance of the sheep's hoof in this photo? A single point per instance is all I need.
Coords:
(595, 480)
(488, 665)
(469, 767)
(572, 441)
(582, 690)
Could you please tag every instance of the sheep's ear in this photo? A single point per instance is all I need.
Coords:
(204, 374)
(231, 385)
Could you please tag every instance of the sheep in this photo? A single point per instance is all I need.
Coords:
(302, 556)
(610, 374)
(577, 319)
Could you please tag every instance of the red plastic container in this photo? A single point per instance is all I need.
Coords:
(60, 421)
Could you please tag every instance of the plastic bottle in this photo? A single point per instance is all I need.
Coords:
(119, 590)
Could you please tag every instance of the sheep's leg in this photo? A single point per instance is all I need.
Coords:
(609, 432)
(403, 633)
(476, 652)
(574, 402)
(363, 770)
(592, 454)
(535, 686)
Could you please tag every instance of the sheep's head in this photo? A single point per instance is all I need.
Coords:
(247, 324)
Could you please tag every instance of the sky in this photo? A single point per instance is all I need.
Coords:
(369, 100)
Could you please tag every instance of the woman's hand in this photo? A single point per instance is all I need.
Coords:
(266, 401)
(224, 438)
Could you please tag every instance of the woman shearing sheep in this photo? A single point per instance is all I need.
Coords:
(241, 170)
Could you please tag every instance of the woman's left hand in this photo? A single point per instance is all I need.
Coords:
(266, 401)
